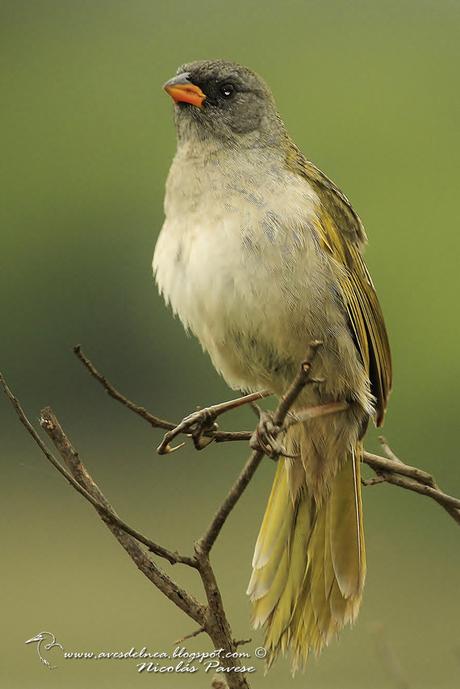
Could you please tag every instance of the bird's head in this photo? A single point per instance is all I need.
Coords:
(224, 101)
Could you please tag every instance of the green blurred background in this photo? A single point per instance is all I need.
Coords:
(369, 91)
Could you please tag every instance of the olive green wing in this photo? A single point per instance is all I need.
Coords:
(342, 235)
(368, 326)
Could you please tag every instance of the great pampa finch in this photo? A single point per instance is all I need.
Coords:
(260, 253)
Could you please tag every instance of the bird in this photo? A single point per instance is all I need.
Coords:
(39, 639)
(259, 254)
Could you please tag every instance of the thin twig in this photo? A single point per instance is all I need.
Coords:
(47, 422)
(246, 474)
(373, 481)
(200, 425)
(213, 434)
(208, 539)
(52, 427)
(388, 472)
(414, 479)
(77, 474)
(217, 625)
(192, 635)
(298, 384)
(153, 420)
(379, 463)
(211, 618)
(242, 642)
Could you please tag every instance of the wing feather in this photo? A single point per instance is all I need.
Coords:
(342, 235)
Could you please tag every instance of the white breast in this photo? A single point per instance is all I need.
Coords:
(239, 262)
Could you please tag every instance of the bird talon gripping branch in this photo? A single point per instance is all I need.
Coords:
(195, 425)
(265, 436)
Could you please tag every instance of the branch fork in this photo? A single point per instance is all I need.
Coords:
(201, 426)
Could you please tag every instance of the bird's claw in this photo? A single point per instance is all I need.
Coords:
(198, 424)
(195, 425)
(265, 437)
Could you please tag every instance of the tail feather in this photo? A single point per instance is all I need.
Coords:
(267, 602)
(309, 565)
(276, 521)
(284, 608)
(346, 529)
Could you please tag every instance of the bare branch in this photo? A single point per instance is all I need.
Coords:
(217, 625)
(72, 460)
(212, 619)
(397, 473)
(153, 420)
(220, 517)
(201, 427)
(242, 642)
(298, 384)
(208, 539)
(52, 427)
(388, 472)
(201, 423)
(192, 635)
(373, 481)
(156, 421)
(212, 433)
(79, 478)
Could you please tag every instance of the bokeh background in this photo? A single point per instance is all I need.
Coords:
(369, 90)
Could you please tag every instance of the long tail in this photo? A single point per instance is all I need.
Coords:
(309, 563)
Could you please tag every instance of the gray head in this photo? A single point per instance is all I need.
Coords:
(226, 102)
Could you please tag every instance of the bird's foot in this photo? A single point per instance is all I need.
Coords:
(201, 424)
(196, 425)
(266, 436)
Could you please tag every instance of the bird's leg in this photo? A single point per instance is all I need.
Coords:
(200, 424)
(266, 435)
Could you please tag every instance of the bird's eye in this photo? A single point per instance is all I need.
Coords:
(227, 90)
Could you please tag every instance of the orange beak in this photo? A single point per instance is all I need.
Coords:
(182, 90)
